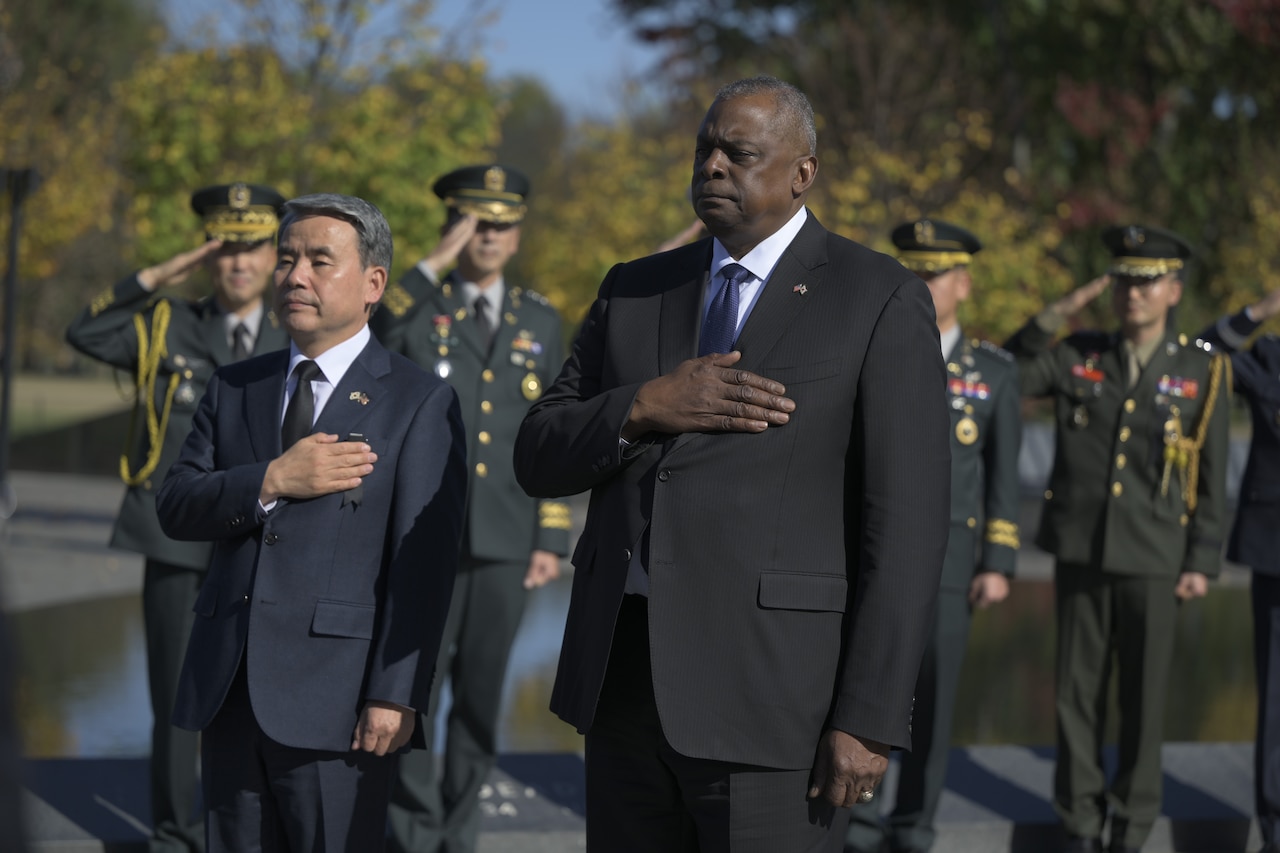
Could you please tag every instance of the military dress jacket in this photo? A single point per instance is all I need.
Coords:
(1255, 538)
(986, 435)
(1139, 475)
(431, 324)
(121, 327)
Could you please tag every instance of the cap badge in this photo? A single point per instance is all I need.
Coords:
(924, 232)
(1134, 237)
(238, 197)
(495, 179)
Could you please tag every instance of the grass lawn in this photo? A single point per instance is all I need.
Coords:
(43, 402)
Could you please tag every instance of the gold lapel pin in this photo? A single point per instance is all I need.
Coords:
(361, 396)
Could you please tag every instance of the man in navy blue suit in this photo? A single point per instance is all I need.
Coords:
(331, 478)
(1255, 538)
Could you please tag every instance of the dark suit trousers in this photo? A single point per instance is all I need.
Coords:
(1265, 592)
(923, 770)
(643, 796)
(440, 814)
(168, 596)
(264, 797)
(1104, 617)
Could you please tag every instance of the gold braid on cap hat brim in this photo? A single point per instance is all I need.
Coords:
(1149, 267)
(934, 261)
(248, 225)
(489, 209)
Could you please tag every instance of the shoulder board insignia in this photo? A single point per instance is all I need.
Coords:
(397, 300)
(999, 352)
(102, 302)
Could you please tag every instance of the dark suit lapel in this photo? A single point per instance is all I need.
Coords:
(681, 313)
(263, 402)
(214, 330)
(464, 318)
(270, 336)
(795, 283)
(358, 394)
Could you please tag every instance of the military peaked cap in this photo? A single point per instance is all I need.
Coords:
(928, 245)
(238, 213)
(1143, 251)
(491, 193)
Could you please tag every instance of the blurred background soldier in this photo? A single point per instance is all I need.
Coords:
(171, 347)
(986, 431)
(1134, 514)
(499, 346)
(1255, 539)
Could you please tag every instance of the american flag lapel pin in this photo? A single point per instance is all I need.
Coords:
(800, 289)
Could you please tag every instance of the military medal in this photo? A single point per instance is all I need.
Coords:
(186, 395)
(531, 387)
(1080, 417)
(967, 430)
(443, 368)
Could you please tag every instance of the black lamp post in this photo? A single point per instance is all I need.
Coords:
(19, 183)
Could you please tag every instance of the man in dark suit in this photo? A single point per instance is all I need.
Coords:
(336, 532)
(498, 346)
(171, 347)
(756, 580)
(986, 433)
(1255, 538)
(1134, 516)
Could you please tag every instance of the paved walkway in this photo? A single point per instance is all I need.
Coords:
(53, 552)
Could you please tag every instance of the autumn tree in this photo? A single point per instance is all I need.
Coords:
(57, 63)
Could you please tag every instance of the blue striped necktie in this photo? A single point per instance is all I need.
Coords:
(722, 315)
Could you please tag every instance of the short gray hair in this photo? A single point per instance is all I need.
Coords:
(797, 112)
(371, 226)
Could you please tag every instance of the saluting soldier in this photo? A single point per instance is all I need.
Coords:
(499, 345)
(171, 347)
(986, 433)
(1255, 538)
(1134, 514)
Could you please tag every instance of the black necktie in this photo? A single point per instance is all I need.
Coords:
(722, 314)
(240, 342)
(301, 411)
(483, 321)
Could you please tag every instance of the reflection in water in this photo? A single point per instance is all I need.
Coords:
(82, 679)
(83, 690)
(1006, 686)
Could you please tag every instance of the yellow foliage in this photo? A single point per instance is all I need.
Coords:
(1251, 258)
(865, 192)
(194, 118)
(69, 148)
(618, 193)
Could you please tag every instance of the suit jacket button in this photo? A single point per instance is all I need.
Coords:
(626, 554)
(271, 539)
(664, 475)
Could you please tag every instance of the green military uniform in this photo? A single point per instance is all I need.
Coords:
(986, 435)
(171, 348)
(432, 324)
(1136, 498)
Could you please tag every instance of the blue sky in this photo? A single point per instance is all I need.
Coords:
(579, 49)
